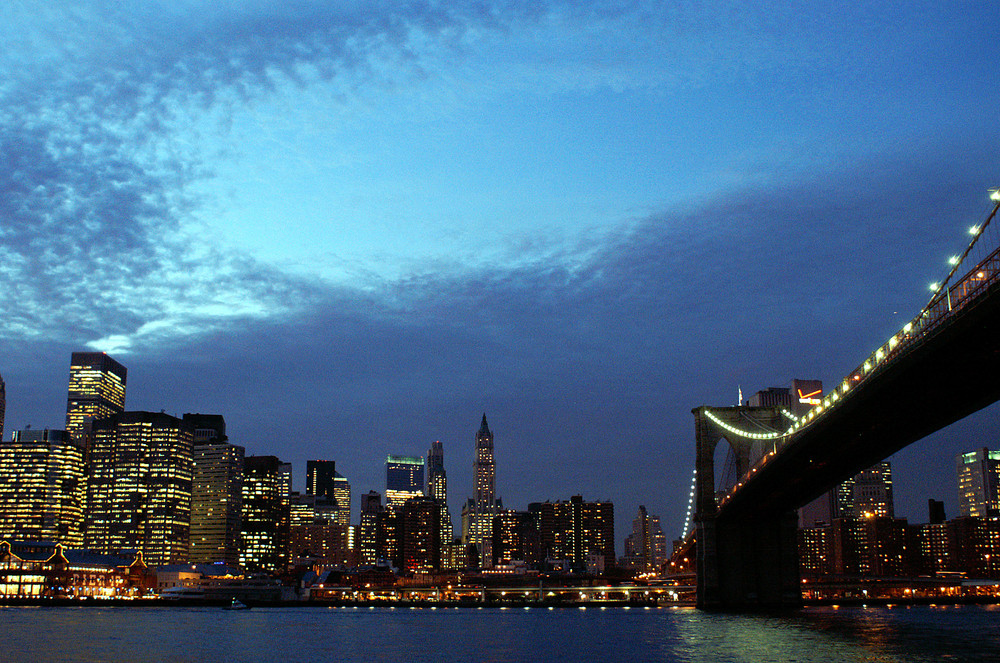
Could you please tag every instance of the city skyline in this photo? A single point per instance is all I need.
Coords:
(372, 225)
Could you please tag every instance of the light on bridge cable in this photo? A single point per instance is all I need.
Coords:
(935, 286)
(995, 195)
(953, 260)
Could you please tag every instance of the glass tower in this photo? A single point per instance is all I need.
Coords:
(41, 488)
(216, 493)
(96, 390)
(978, 474)
(404, 478)
(139, 488)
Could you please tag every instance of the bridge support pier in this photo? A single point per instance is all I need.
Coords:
(748, 564)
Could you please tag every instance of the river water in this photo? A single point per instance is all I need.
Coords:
(919, 633)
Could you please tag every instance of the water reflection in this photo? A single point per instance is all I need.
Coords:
(967, 633)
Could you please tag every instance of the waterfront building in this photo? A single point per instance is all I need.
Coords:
(816, 550)
(871, 546)
(477, 518)
(139, 489)
(96, 391)
(978, 474)
(266, 505)
(404, 478)
(216, 493)
(42, 492)
(32, 570)
(573, 529)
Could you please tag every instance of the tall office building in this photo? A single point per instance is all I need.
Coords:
(3, 404)
(319, 478)
(437, 478)
(437, 489)
(323, 481)
(266, 505)
(866, 494)
(96, 390)
(367, 542)
(978, 474)
(484, 505)
(420, 540)
(139, 488)
(404, 478)
(342, 495)
(42, 492)
(216, 493)
(646, 546)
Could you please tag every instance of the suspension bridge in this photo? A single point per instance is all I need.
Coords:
(941, 366)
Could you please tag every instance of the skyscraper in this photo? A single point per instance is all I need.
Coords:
(216, 493)
(266, 505)
(646, 546)
(139, 489)
(342, 495)
(437, 489)
(978, 474)
(42, 493)
(367, 543)
(404, 478)
(323, 481)
(319, 478)
(96, 390)
(3, 404)
(866, 494)
(484, 503)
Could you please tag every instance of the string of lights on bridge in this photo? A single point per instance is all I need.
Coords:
(911, 331)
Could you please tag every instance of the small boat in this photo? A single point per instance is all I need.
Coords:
(236, 605)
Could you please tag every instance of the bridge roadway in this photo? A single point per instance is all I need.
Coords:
(952, 373)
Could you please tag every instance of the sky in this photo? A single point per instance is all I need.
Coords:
(353, 228)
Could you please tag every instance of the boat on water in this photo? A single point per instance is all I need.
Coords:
(236, 605)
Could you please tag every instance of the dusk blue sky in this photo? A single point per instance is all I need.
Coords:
(353, 228)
